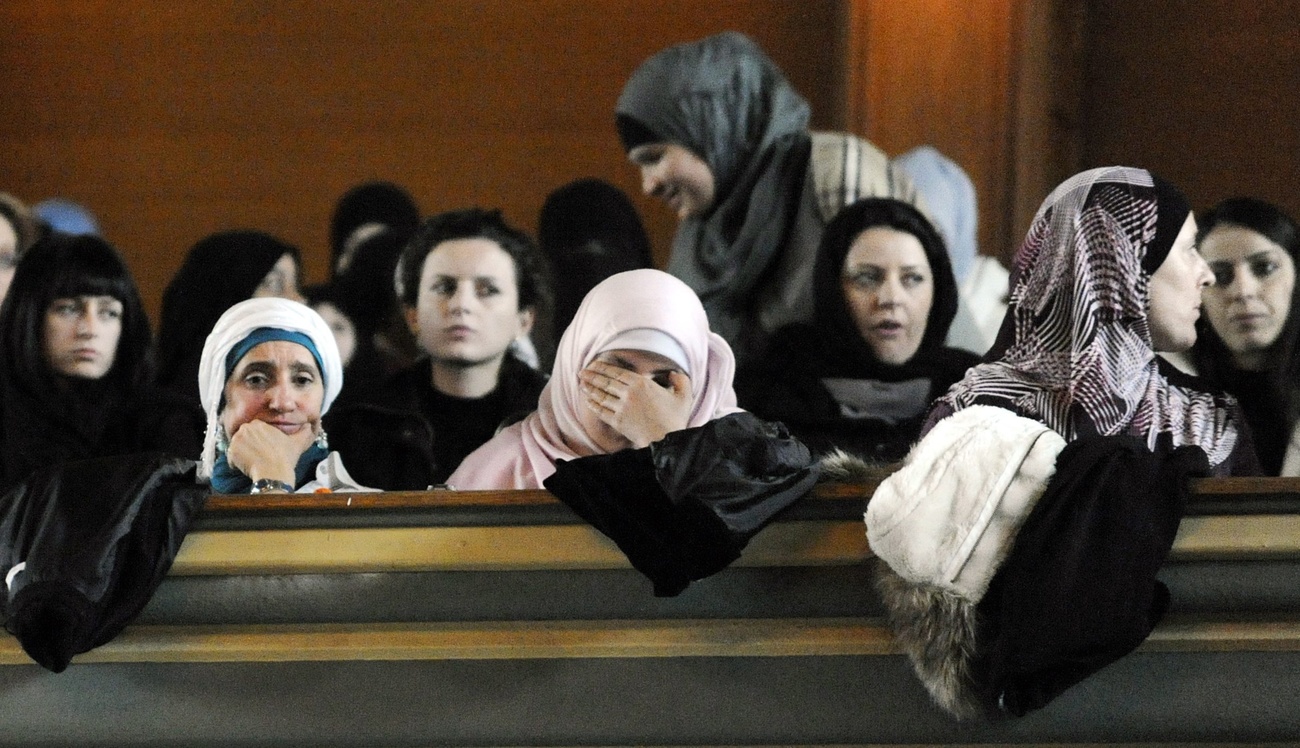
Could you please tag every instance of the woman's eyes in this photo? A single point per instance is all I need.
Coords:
(482, 288)
(1264, 268)
(1225, 274)
(870, 279)
(65, 307)
(257, 381)
(865, 278)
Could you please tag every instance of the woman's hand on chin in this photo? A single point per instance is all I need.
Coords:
(260, 450)
(635, 405)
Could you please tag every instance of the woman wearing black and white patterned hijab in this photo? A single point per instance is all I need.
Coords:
(1108, 275)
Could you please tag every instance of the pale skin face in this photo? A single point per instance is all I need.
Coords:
(81, 335)
(1174, 293)
(345, 333)
(8, 255)
(889, 289)
(273, 408)
(281, 281)
(674, 174)
(632, 398)
(1249, 302)
(467, 313)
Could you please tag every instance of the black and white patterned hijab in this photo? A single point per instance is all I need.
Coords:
(1075, 348)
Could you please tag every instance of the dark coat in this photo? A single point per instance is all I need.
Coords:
(686, 506)
(398, 440)
(881, 415)
(85, 544)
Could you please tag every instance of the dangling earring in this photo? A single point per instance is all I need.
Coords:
(322, 440)
(223, 441)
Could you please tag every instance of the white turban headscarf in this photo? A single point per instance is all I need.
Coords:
(234, 326)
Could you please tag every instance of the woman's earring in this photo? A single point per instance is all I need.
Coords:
(322, 440)
(223, 441)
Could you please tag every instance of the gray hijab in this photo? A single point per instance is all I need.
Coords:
(722, 98)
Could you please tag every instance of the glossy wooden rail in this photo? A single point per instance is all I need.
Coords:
(799, 637)
(1226, 488)
(266, 548)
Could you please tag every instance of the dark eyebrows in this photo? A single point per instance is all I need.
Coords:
(1263, 254)
(268, 368)
(443, 277)
(257, 367)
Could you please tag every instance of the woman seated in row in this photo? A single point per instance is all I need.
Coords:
(1024, 532)
(861, 376)
(638, 431)
(75, 375)
(1248, 340)
(269, 371)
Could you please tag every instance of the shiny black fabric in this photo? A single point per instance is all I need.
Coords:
(686, 506)
(97, 537)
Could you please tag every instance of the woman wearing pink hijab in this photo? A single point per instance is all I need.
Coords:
(630, 429)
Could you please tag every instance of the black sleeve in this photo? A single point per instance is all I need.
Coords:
(1080, 589)
(686, 506)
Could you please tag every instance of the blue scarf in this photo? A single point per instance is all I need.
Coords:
(227, 479)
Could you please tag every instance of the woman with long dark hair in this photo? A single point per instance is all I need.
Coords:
(76, 375)
(1248, 339)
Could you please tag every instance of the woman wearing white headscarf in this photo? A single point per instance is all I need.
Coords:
(638, 431)
(270, 369)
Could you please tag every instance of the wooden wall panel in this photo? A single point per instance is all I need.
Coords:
(939, 72)
(1206, 93)
(174, 120)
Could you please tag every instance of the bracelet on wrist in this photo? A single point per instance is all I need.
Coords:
(270, 485)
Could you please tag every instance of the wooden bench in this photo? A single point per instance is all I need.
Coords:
(499, 618)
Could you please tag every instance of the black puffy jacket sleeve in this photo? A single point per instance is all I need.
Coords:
(686, 506)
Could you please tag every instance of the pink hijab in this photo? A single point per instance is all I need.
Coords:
(524, 454)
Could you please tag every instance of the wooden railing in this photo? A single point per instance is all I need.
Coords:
(371, 595)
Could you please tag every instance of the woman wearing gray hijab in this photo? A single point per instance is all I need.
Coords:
(720, 136)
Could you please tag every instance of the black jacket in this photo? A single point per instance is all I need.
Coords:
(399, 439)
(1079, 589)
(84, 544)
(686, 506)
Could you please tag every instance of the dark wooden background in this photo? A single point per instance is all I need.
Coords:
(173, 120)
